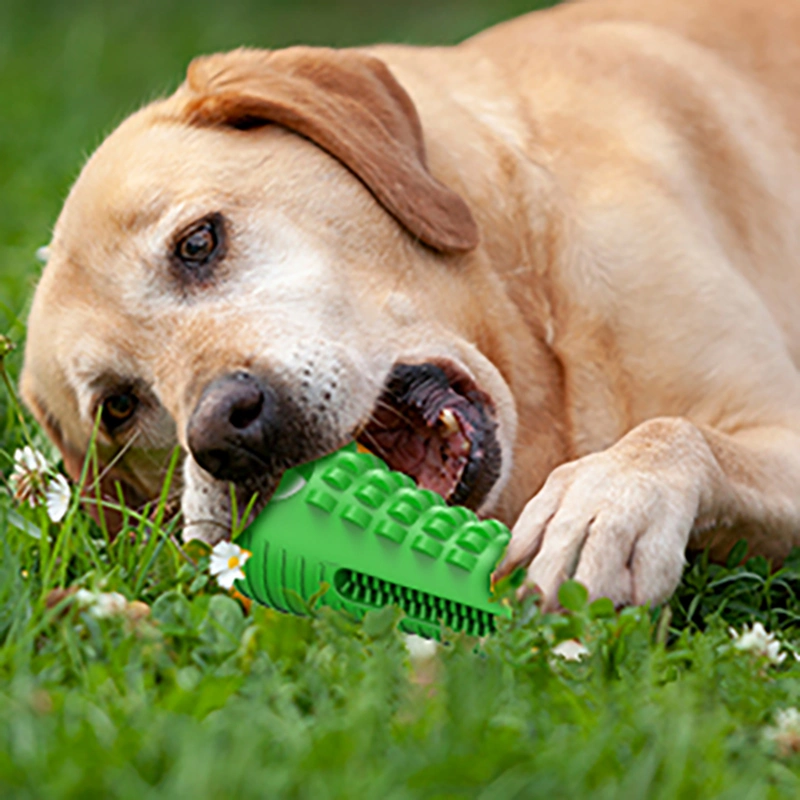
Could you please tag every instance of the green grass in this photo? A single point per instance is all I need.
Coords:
(200, 699)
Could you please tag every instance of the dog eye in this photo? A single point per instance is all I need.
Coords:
(118, 409)
(198, 245)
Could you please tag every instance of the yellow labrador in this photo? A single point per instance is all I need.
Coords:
(553, 273)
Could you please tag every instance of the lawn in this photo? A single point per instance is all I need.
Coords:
(152, 682)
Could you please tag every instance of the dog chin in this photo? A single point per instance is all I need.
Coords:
(208, 504)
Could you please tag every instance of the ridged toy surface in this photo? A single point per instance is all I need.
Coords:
(375, 538)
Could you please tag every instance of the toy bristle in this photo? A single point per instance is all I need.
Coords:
(427, 608)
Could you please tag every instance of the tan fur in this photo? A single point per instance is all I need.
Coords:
(633, 169)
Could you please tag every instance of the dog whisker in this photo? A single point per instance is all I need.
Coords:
(118, 456)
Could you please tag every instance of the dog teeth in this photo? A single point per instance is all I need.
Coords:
(447, 419)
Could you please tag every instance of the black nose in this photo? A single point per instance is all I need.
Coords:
(233, 427)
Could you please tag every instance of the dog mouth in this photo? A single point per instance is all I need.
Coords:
(433, 423)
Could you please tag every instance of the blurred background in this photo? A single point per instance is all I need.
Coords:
(70, 70)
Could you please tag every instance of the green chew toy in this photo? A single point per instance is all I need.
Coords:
(375, 539)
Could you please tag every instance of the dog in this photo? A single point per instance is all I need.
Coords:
(551, 273)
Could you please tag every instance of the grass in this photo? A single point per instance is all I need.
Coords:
(198, 698)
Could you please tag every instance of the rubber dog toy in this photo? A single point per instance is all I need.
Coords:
(349, 521)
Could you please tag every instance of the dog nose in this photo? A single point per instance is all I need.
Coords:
(233, 427)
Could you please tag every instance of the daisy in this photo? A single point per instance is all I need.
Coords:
(758, 641)
(57, 498)
(570, 650)
(29, 477)
(227, 560)
(33, 483)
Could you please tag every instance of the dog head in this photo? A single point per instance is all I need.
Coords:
(260, 268)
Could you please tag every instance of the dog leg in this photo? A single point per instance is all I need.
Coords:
(619, 521)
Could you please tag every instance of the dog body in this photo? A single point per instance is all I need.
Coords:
(581, 223)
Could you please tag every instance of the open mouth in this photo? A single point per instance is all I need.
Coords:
(432, 423)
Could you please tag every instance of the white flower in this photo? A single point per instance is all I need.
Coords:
(419, 648)
(32, 483)
(786, 733)
(29, 476)
(84, 598)
(108, 604)
(227, 560)
(101, 605)
(29, 460)
(758, 641)
(57, 498)
(570, 650)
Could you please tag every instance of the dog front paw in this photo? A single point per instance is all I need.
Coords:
(603, 520)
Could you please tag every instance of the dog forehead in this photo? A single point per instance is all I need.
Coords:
(140, 171)
(153, 163)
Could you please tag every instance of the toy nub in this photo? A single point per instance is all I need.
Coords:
(349, 521)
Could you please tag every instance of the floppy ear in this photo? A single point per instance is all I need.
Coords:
(349, 104)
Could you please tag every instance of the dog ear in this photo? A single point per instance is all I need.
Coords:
(349, 104)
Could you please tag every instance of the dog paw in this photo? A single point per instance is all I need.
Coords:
(619, 530)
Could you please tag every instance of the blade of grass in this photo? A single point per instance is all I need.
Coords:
(98, 489)
(157, 535)
(24, 525)
(65, 532)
